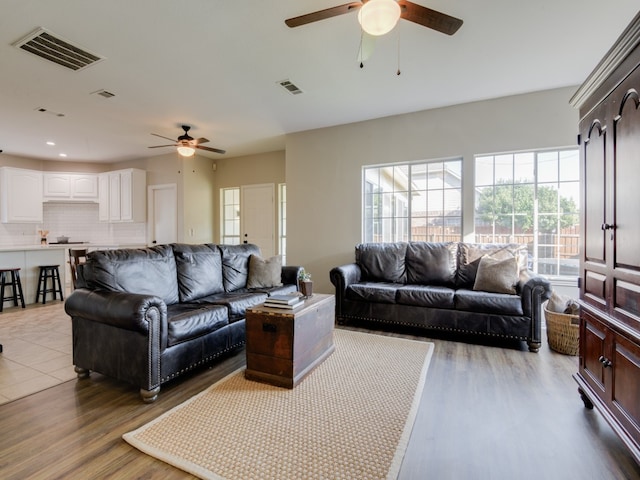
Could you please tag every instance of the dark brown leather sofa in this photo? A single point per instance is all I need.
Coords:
(431, 286)
(145, 316)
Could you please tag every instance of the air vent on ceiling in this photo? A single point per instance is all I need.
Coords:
(104, 93)
(53, 48)
(290, 87)
(50, 112)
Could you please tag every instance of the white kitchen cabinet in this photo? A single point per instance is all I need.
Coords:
(71, 187)
(123, 195)
(103, 197)
(20, 195)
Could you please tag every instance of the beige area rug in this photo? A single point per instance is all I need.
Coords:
(351, 418)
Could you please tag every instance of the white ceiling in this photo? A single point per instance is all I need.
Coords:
(215, 65)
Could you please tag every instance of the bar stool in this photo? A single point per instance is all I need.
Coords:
(49, 272)
(15, 284)
(76, 257)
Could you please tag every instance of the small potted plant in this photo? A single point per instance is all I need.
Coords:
(305, 284)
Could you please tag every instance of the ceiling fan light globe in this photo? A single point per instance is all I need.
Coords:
(186, 150)
(378, 17)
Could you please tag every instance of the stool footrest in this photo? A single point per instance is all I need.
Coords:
(49, 272)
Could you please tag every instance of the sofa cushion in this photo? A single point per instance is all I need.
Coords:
(147, 271)
(236, 302)
(432, 263)
(382, 262)
(498, 276)
(469, 255)
(426, 296)
(485, 302)
(186, 321)
(235, 264)
(379, 292)
(199, 269)
(264, 273)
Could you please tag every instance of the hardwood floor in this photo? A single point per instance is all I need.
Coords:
(486, 413)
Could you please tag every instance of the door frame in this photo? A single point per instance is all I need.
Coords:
(151, 189)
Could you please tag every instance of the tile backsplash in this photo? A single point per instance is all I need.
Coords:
(78, 221)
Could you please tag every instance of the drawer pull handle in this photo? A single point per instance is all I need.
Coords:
(269, 327)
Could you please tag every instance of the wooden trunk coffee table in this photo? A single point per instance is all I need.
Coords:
(284, 346)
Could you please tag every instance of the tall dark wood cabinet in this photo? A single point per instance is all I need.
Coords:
(609, 365)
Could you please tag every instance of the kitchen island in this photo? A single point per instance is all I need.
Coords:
(29, 258)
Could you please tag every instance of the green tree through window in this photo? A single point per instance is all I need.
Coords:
(498, 206)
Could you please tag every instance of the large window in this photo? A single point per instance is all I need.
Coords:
(531, 198)
(413, 202)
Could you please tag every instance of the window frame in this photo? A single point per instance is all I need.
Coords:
(391, 215)
(566, 245)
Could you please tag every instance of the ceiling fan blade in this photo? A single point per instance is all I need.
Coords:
(210, 149)
(322, 14)
(202, 140)
(429, 18)
(166, 138)
(158, 146)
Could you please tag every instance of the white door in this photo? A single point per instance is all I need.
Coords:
(162, 214)
(257, 217)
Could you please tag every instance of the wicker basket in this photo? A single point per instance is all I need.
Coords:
(563, 332)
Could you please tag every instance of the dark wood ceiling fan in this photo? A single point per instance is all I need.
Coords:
(187, 141)
(424, 16)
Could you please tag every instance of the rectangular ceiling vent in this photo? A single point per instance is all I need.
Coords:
(53, 48)
(290, 87)
(103, 93)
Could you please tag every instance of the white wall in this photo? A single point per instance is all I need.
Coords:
(324, 166)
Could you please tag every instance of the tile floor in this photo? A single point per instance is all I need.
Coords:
(37, 349)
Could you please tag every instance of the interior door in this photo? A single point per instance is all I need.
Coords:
(162, 214)
(257, 217)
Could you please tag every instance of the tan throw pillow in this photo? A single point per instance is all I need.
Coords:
(264, 273)
(497, 276)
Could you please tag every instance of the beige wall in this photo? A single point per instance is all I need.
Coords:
(194, 178)
(323, 167)
(248, 170)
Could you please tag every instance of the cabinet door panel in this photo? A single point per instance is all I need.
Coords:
(114, 197)
(126, 207)
(626, 385)
(593, 343)
(594, 193)
(626, 191)
(84, 186)
(56, 185)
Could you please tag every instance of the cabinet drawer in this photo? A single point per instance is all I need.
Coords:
(593, 346)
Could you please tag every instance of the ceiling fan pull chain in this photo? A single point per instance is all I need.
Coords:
(360, 48)
(398, 72)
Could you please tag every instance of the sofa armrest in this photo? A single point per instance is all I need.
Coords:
(129, 311)
(289, 275)
(345, 275)
(534, 289)
(342, 277)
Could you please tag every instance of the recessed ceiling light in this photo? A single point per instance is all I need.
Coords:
(51, 143)
(62, 154)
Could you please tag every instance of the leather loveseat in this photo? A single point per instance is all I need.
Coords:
(443, 286)
(147, 315)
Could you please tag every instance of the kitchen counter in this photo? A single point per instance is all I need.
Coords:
(64, 246)
(29, 258)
